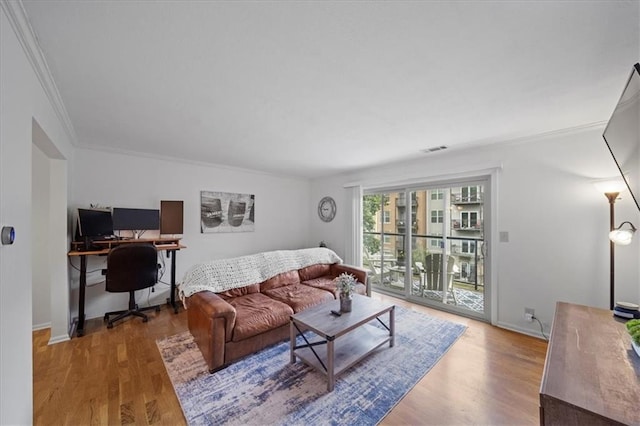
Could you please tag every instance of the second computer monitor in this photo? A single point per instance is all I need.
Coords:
(135, 219)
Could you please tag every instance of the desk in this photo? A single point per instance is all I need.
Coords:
(171, 245)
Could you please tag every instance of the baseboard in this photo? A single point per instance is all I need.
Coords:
(42, 326)
(522, 330)
(58, 339)
(53, 339)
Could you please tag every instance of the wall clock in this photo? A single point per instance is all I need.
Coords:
(327, 209)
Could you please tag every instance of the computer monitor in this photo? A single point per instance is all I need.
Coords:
(135, 219)
(94, 223)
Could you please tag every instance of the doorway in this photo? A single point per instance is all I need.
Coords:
(50, 237)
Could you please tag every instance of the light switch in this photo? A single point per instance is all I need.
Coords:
(504, 237)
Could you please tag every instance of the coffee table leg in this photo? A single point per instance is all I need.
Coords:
(292, 341)
(392, 326)
(330, 354)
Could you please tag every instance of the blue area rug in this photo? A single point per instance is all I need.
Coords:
(265, 388)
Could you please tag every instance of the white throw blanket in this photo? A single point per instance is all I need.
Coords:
(224, 274)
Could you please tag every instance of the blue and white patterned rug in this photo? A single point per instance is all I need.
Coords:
(265, 388)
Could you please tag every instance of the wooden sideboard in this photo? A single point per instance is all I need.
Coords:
(591, 374)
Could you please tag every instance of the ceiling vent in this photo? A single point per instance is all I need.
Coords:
(434, 149)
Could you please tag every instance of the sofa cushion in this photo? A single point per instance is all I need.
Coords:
(257, 313)
(285, 278)
(314, 271)
(300, 296)
(327, 283)
(242, 291)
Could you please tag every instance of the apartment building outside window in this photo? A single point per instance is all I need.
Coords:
(437, 216)
(468, 247)
(469, 219)
(470, 193)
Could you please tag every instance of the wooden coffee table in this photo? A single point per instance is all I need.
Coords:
(347, 338)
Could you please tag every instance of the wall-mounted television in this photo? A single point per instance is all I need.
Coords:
(135, 219)
(622, 134)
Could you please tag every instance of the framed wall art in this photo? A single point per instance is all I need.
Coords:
(226, 212)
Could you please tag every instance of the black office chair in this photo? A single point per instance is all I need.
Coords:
(131, 267)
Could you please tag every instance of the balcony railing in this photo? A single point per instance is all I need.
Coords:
(400, 223)
(466, 199)
(401, 201)
(464, 226)
(400, 226)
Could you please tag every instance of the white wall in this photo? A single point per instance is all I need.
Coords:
(23, 100)
(116, 180)
(59, 236)
(557, 222)
(41, 296)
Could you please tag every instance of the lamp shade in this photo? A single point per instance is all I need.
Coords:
(622, 237)
(610, 185)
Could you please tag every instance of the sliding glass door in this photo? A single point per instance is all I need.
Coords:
(427, 244)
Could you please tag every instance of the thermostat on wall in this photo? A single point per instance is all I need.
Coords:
(8, 235)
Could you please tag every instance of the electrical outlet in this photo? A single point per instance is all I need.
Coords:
(529, 313)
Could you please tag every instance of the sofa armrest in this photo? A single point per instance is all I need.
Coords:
(213, 306)
(359, 273)
(211, 320)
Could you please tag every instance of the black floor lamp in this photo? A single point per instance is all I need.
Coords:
(611, 196)
(612, 189)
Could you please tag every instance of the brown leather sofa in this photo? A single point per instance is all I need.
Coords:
(230, 325)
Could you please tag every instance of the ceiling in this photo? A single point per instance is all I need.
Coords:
(316, 88)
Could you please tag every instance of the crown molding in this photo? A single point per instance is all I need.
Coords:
(158, 157)
(491, 142)
(17, 16)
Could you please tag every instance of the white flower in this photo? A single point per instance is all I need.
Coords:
(345, 283)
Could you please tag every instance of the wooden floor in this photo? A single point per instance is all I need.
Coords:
(490, 376)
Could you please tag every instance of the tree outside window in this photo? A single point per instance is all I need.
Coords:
(371, 205)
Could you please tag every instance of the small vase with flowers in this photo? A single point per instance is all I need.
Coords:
(345, 284)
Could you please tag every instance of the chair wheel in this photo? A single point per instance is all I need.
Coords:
(109, 325)
(106, 318)
(145, 319)
(157, 308)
